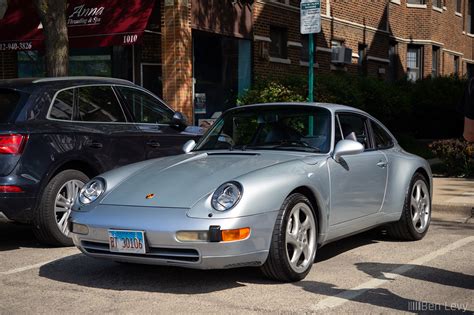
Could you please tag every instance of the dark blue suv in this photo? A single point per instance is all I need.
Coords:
(56, 133)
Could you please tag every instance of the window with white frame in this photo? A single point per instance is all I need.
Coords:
(416, 1)
(435, 62)
(456, 65)
(438, 3)
(414, 62)
(279, 40)
(458, 6)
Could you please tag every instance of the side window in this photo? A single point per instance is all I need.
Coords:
(63, 105)
(98, 103)
(382, 139)
(145, 108)
(354, 127)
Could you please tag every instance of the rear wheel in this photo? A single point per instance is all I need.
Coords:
(52, 214)
(293, 245)
(416, 216)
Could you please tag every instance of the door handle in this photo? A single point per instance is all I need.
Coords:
(382, 164)
(153, 144)
(95, 145)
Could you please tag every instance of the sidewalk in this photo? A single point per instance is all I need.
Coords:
(453, 199)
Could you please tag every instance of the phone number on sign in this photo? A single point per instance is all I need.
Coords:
(16, 46)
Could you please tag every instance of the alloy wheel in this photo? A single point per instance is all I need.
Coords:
(301, 237)
(64, 201)
(420, 206)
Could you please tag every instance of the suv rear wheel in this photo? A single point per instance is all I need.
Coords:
(50, 220)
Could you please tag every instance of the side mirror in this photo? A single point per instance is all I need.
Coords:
(180, 120)
(189, 146)
(347, 147)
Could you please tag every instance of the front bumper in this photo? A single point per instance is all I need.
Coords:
(160, 226)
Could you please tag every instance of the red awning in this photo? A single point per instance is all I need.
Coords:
(91, 23)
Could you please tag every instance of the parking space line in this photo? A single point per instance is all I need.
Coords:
(29, 267)
(353, 293)
(21, 269)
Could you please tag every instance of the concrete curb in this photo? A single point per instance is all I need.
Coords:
(450, 211)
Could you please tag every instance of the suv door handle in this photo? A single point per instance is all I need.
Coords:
(382, 164)
(153, 144)
(95, 145)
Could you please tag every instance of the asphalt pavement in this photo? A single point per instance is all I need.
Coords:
(367, 273)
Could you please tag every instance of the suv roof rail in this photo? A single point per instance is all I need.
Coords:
(52, 79)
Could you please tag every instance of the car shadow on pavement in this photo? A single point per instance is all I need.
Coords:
(420, 272)
(89, 272)
(378, 297)
(85, 271)
(14, 236)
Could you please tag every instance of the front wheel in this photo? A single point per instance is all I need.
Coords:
(293, 245)
(50, 224)
(416, 216)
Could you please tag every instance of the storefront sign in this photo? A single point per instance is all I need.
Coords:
(310, 11)
(91, 23)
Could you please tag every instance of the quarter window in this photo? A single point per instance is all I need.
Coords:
(382, 139)
(146, 108)
(63, 105)
(354, 127)
(99, 104)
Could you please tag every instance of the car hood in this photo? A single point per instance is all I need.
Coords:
(179, 182)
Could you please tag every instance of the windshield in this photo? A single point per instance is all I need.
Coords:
(292, 127)
(8, 101)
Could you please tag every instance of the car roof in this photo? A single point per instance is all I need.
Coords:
(58, 82)
(329, 106)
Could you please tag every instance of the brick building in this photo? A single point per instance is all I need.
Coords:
(200, 54)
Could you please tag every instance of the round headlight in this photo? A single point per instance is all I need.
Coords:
(226, 196)
(91, 191)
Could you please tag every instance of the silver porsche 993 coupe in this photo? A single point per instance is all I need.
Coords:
(266, 186)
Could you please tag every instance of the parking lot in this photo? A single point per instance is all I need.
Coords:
(364, 273)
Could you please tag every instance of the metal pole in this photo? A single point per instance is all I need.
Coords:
(311, 81)
(311, 69)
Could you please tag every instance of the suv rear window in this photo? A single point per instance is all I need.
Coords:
(8, 102)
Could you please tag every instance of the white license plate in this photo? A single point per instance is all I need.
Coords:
(131, 242)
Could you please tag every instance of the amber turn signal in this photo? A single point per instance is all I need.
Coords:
(235, 235)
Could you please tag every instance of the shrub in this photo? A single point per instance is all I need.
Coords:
(425, 109)
(270, 92)
(457, 155)
(434, 104)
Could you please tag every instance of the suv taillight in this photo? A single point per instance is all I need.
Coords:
(12, 144)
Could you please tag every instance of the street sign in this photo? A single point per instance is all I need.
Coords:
(310, 11)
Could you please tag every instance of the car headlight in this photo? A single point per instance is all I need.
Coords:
(91, 191)
(226, 196)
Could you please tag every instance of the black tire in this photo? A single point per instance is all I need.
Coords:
(277, 266)
(45, 227)
(404, 229)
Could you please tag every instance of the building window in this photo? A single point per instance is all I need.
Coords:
(435, 62)
(393, 57)
(459, 6)
(438, 3)
(469, 21)
(362, 59)
(456, 65)
(305, 48)
(278, 46)
(414, 63)
(416, 1)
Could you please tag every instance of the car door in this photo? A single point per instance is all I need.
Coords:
(104, 131)
(155, 121)
(358, 182)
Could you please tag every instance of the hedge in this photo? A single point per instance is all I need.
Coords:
(425, 109)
